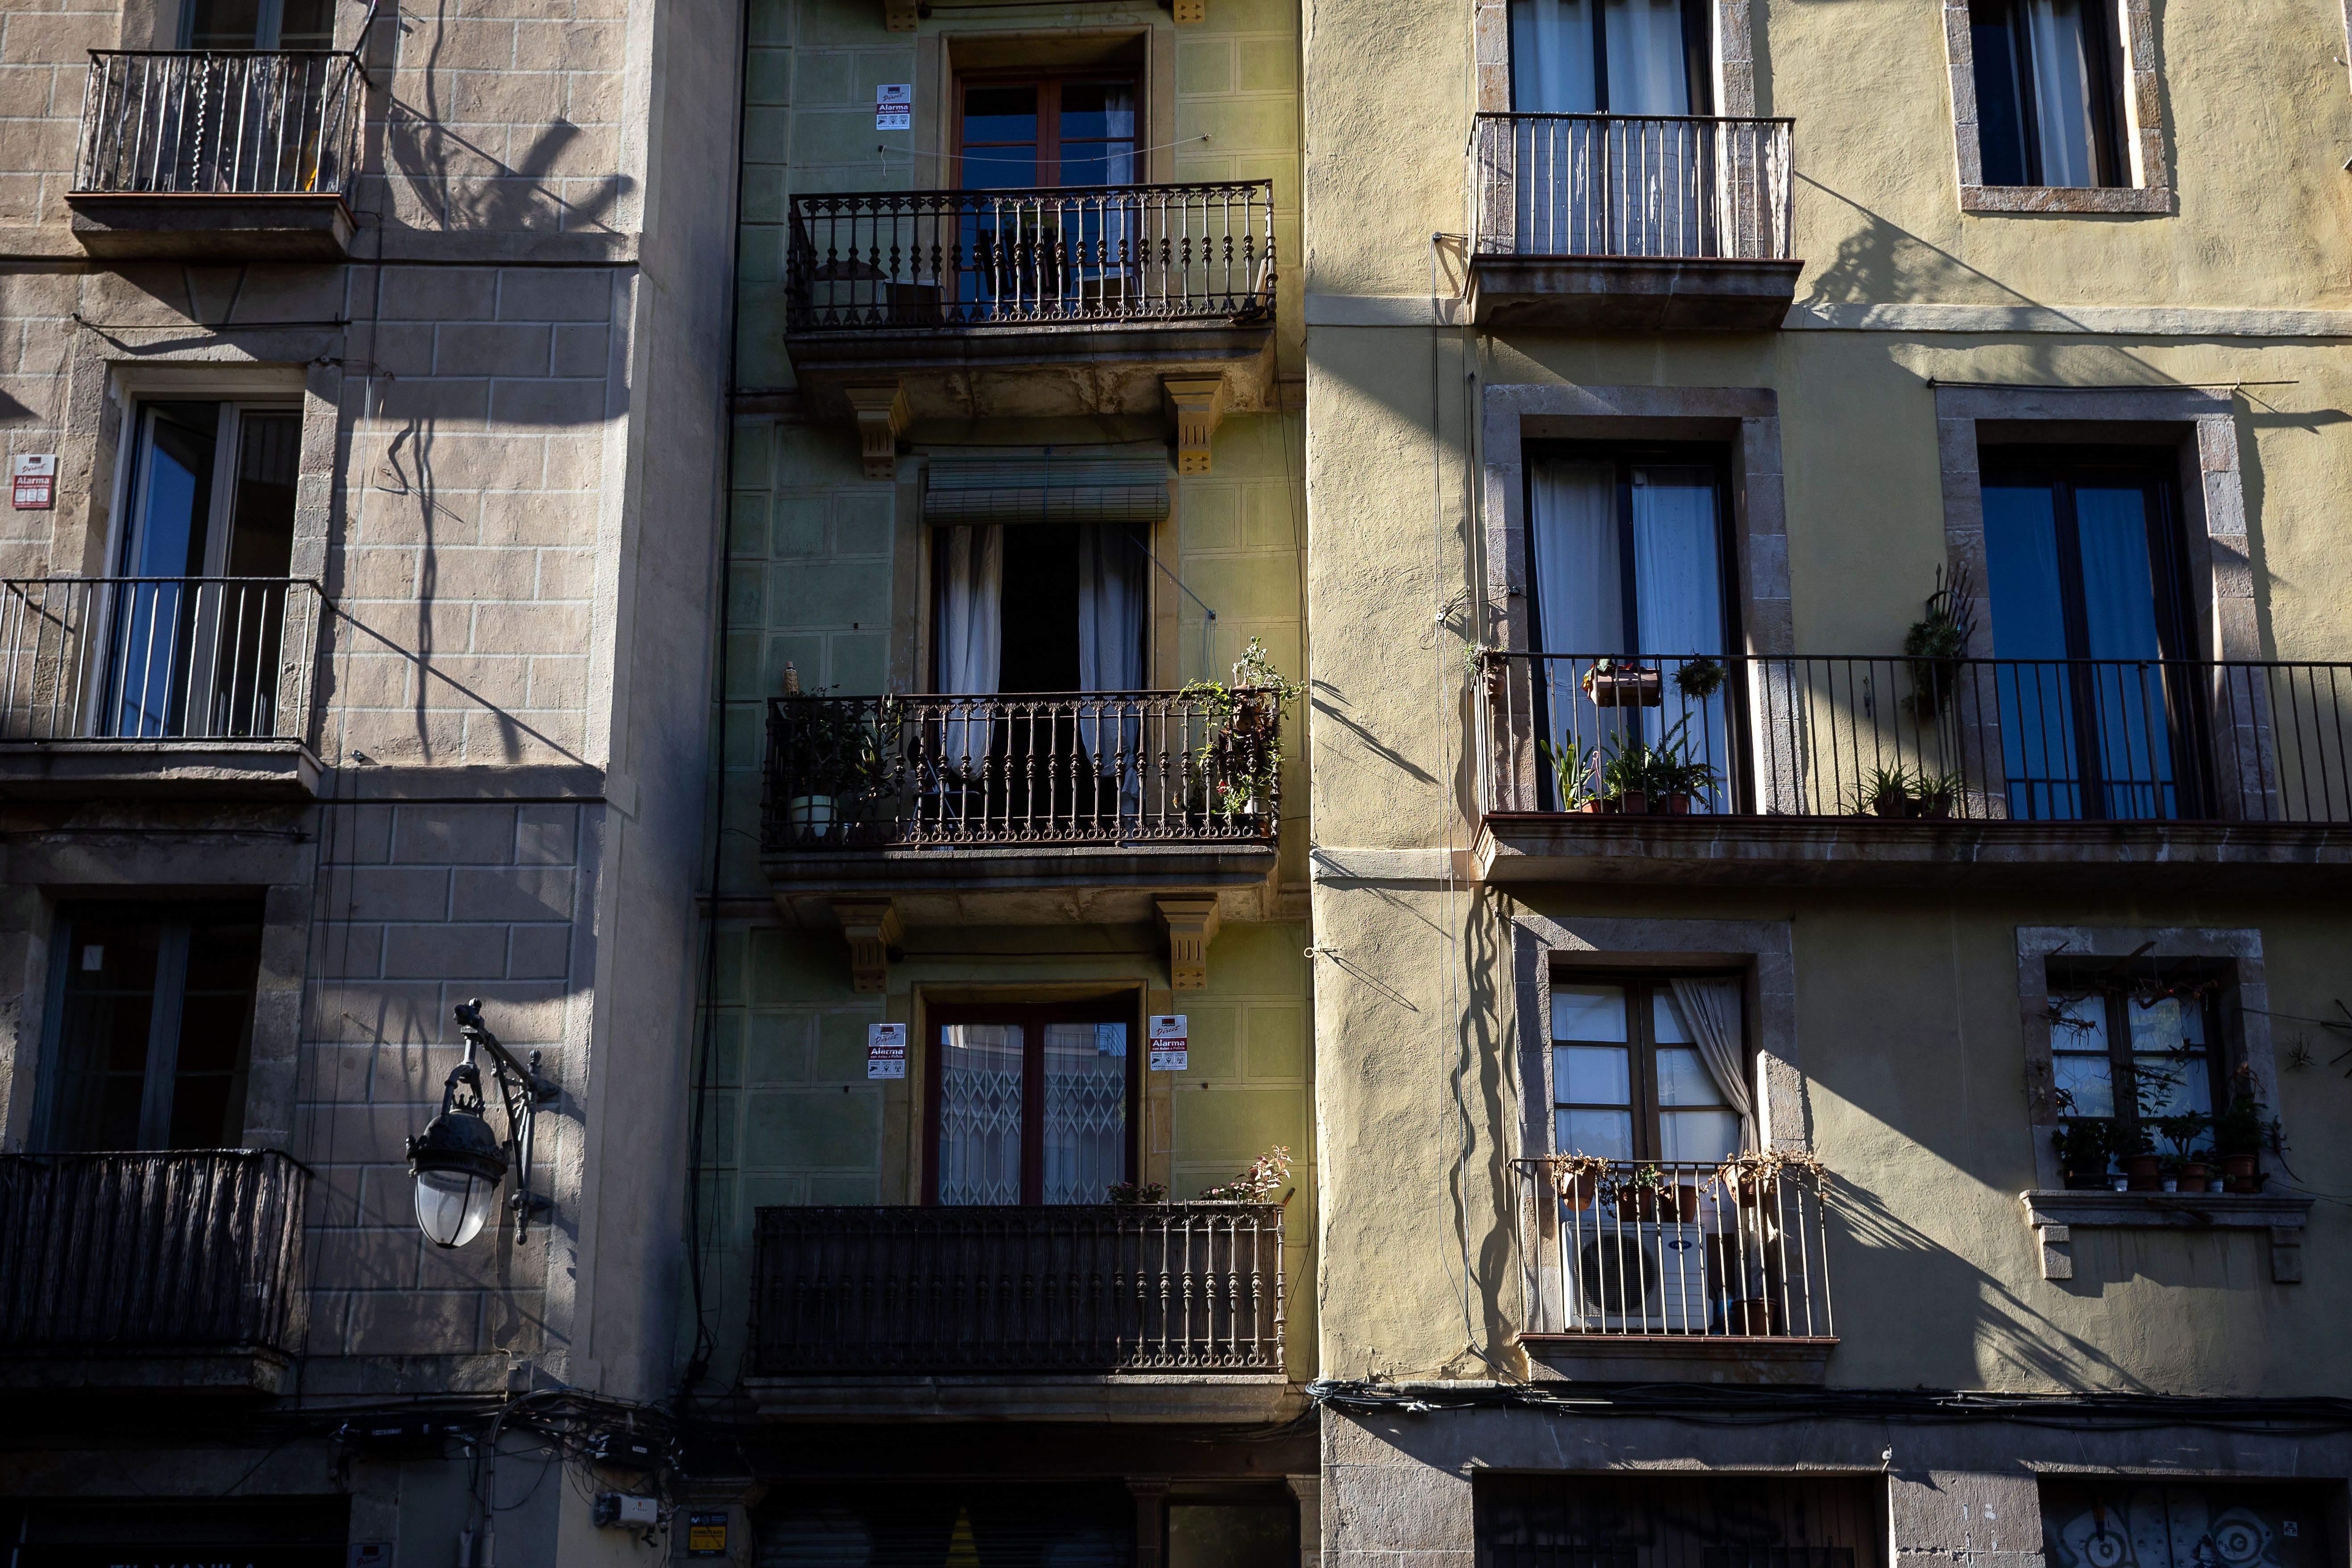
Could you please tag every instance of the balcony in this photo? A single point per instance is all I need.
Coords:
(231, 156)
(151, 1272)
(1045, 303)
(1169, 1311)
(1634, 1272)
(1080, 808)
(1625, 223)
(1909, 772)
(181, 688)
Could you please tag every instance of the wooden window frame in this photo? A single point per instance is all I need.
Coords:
(1713, 456)
(1032, 1018)
(2110, 134)
(2123, 1071)
(1698, 58)
(2063, 467)
(1640, 1039)
(1049, 114)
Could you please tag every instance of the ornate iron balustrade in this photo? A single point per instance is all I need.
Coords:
(1667, 1247)
(158, 658)
(1112, 768)
(1983, 740)
(1097, 1287)
(223, 123)
(1104, 255)
(191, 1248)
(1631, 185)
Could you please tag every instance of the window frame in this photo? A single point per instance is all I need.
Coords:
(1698, 58)
(1049, 115)
(221, 503)
(2104, 87)
(2063, 466)
(268, 26)
(161, 1070)
(1031, 1016)
(1641, 1045)
(2123, 1071)
(1713, 456)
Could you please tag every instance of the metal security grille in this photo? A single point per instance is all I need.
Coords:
(868, 261)
(1036, 491)
(1992, 739)
(227, 122)
(1078, 1288)
(1631, 185)
(157, 658)
(198, 1247)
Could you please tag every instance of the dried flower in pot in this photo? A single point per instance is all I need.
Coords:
(1622, 683)
(1700, 679)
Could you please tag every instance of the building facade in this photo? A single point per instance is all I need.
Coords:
(364, 366)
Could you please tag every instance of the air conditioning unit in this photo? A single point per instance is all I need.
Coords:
(1642, 1279)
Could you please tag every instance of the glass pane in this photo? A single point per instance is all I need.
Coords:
(225, 25)
(2029, 622)
(2169, 1083)
(1698, 1136)
(2000, 112)
(2085, 1083)
(980, 1114)
(1085, 1110)
(154, 624)
(1646, 75)
(1000, 114)
(1588, 1012)
(1683, 1078)
(1551, 58)
(1233, 1535)
(1591, 1075)
(307, 24)
(108, 1004)
(261, 527)
(2119, 617)
(1608, 1133)
(215, 1035)
(1666, 1026)
(2061, 94)
(2078, 1023)
(1097, 111)
(1677, 580)
(1579, 584)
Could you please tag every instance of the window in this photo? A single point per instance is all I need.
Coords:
(150, 1028)
(2084, 563)
(1037, 607)
(204, 551)
(2129, 1057)
(1610, 56)
(1629, 561)
(2090, 1521)
(1642, 1522)
(1649, 1070)
(1030, 1104)
(1031, 131)
(258, 25)
(2049, 76)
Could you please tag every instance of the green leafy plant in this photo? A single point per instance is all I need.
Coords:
(1130, 1194)
(1572, 768)
(1242, 752)
(2242, 1130)
(2083, 1147)
(1628, 769)
(1700, 680)
(1938, 793)
(1257, 1185)
(1884, 787)
(2183, 1129)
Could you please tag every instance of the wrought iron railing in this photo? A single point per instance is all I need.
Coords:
(1105, 255)
(1668, 1247)
(1631, 185)
(1106, 767)
(1986, 740)
(220, 123)
(1095, 1287)
(157, 658)
(191, 1248)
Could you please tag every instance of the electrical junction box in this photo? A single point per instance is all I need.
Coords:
(625, 1451)
(620, 1511)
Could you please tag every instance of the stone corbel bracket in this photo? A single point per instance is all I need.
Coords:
(1194, 405)
(1189, 11)
(1191, 926)
(882, 417)
(871, 926)
(899, 16)
(2054, 1216)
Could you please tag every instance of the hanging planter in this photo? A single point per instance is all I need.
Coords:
(1623, 684)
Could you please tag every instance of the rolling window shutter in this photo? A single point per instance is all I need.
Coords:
(1084, 490)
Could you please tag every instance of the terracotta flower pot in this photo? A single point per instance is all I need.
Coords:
(1579, 1190)
(1678, 805)
(1894, 805)
(2192, 1177)
(2237, 1175)
(2096, 1181)
(2145, 1172)
(1634, 802)
(1752, 1317)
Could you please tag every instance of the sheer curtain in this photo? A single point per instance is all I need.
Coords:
(970, 620)
(1110, 652)
(1579, 596)
(1115, 243)
(1551, 73)
(1678, 601)
(1551, 57)
(2061, 97)
(1711, 1010)
(2134, 736)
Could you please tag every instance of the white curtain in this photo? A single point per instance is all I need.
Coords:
(1711, 1008)
(1579, 580)
(1110, 649)
(1551, 58)
(1677, 570)
(1645, 58)
(970, 622)
(2061, 98)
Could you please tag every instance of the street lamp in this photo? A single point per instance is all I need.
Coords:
(459, 1164)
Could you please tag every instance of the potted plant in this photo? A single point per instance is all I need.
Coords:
(1131, 1194)
(1677, 778)
(1255, 1186)
(1623, 683)
(1699, 679)
(834, 758)
(1241, 755)
(1938, 793)
(1572, 767)
(1626, 776)
(2239, 1134)
(2135, 1146)
(2083, 1147)
(1887, 792)
(2181, 1132)
(1936, 643)
(1578, 1178)
(1640, 1196)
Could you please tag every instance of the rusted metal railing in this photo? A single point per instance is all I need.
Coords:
(1106, 767)
(157, 658)
(220, 123)
(1095, 1287)
(2001, 740)
(1663, 1247)
(191, 1247)
(1631, 185)
(863, 260)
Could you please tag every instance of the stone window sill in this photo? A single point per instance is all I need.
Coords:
(2065, 199)
(2053, 1216)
